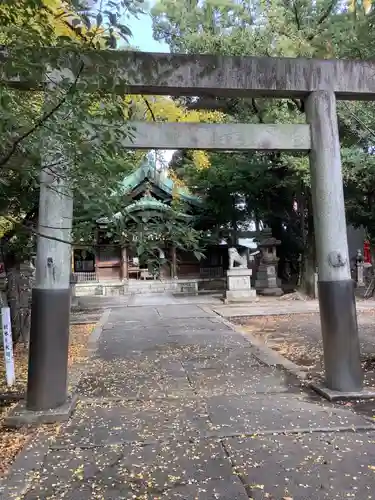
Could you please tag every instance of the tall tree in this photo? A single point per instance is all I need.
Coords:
(321, 29)
(81, 122)
(75, 119)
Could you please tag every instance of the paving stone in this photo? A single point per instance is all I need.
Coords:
(216, 489)
(231, 489)
(180, 325)
(82, 491)
(178, 387)
(174, 468)
(167, 351)
(231, 359)
(123, 348)
(72, 471)
(216, 381)
(100, 424)
(264, 412)
(95, 385)
(180, 463)
(183, 311)
(152, 299)
(207, 337)
(127, 326)
(177, 325)
(303, 467)
(173, 395)
(129, 379)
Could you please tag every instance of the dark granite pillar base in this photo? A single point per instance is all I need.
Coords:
(338, 318)
(48, 352)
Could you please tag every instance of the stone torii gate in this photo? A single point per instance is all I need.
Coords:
(318, 82)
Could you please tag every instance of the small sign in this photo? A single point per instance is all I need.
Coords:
(8, 345)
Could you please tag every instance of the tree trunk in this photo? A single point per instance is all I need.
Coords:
(18, 280)
(234, 222)
(19, 301)
(257, 221)
(18, 293)
(308, 268)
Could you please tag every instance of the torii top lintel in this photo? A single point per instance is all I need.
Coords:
(178, 74)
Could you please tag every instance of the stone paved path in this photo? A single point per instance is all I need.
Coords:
(176, 406)
(272, 306)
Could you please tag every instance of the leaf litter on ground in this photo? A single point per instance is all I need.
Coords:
(297, 337)
(13, 440)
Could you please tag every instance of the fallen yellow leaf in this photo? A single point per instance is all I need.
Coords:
(258, 486)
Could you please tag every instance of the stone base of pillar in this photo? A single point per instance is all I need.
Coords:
(338, 318)
(366, 393)
(19, 415)
(239, 286)
(48, 350)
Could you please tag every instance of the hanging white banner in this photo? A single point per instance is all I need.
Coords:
(8, 345)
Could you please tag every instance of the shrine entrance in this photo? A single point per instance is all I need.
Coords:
(318, 83)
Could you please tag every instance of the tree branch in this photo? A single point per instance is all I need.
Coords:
(359, 121)
(28, 227)
(65, 22)
(299, 104)
(257, 111)
(295, 11)
(41, 120)
(29, 218)
(149, 108)
(322, 18)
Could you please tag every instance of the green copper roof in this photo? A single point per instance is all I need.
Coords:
(148, 202)
(148, 171)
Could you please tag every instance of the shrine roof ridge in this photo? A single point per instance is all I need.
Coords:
(149, 203)
(147, 172)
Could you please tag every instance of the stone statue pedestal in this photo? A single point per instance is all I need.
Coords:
(239, 286)
(267, 282)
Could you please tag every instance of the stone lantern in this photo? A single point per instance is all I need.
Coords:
(267, 282)
(359, 264)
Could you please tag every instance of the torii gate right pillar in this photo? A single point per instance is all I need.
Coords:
(338, 315)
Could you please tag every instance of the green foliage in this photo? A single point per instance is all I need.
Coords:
(61, 128)
(359, 186)
(96, 24)
(72, 133)
(270, 184)
(155, 232)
